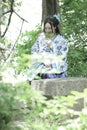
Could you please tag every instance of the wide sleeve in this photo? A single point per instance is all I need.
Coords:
(35, 47)
(60, 46)
(36, 55)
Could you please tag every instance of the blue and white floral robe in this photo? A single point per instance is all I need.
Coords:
(57, 55)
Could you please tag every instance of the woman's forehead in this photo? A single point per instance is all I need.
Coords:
(47, 25)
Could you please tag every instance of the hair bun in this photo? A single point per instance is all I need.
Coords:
(57, 17)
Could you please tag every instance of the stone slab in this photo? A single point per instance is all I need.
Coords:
(61, 87)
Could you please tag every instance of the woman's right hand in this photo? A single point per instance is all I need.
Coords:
(47, 63)
(49, 43)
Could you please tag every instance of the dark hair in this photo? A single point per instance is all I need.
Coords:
(53, 21)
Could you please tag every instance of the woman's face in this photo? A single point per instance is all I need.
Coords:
(48, 28)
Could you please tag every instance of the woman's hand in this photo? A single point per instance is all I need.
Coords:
(49, 43)
(47, 63)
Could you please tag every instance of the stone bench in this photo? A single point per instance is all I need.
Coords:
(61, 87)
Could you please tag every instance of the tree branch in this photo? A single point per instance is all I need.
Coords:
(9, 20)
(21, 17)
(15, 42)
(15, 13)
(6, 12)
(11, 11)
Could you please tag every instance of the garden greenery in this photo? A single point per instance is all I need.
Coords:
(22, 108)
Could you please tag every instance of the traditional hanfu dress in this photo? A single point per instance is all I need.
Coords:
(57, 55)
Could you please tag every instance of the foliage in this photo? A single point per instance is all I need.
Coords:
(24, 48)
(73, 14)
(27, 40)
(73, 26)
(22, 108)
(18, 103)
(6, 103)
(12, 100)
(77, 61)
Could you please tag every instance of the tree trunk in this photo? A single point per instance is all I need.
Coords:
(49, 7)
(0, 15)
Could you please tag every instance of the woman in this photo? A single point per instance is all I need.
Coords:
(49, 52)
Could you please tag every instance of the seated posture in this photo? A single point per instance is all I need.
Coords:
(49, 52)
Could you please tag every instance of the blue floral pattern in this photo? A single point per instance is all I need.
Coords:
(57, 56)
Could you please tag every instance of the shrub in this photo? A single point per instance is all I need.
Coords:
(6, 103)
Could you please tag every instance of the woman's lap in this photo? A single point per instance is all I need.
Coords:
(51, 76)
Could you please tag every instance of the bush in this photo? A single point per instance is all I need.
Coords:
(6, 103)
(22, 108)
(77, 61)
